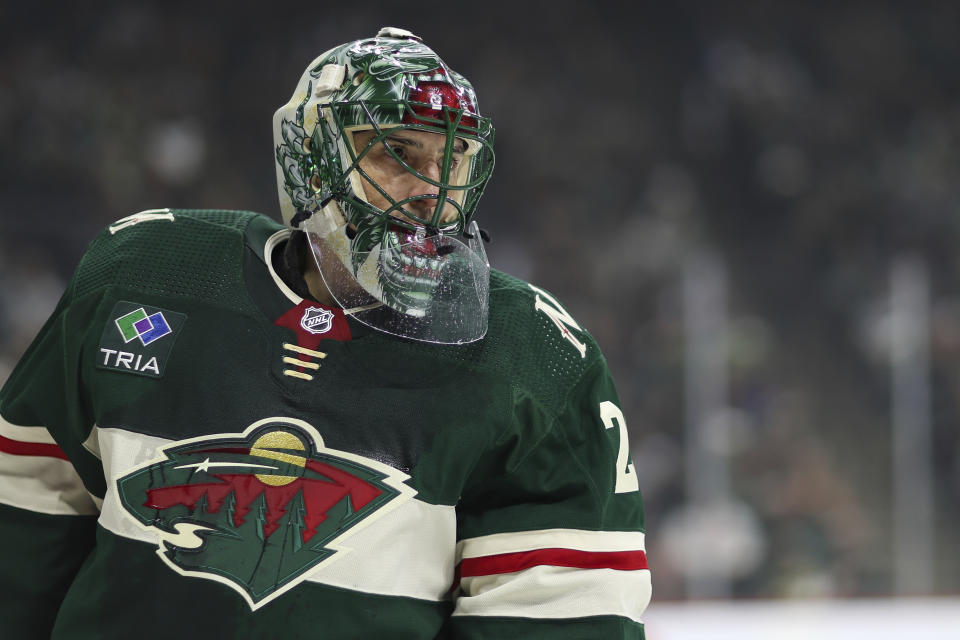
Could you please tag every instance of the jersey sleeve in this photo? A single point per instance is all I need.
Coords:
(551, 540)
(47, 517)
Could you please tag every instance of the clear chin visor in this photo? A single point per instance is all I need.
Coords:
(427, 288)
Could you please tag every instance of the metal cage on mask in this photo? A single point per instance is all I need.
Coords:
(416, 276)
(449, 122)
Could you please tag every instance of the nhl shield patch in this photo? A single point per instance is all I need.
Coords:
(258, 511)
(138, 339)
(316, 320)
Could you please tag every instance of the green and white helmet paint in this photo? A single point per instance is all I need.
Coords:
(415, 271)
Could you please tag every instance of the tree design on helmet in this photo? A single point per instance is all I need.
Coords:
(381, 85)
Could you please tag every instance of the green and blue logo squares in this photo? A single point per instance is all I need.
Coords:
(132, 339)
(137, 324)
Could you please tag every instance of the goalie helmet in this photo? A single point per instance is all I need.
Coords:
(409, 264)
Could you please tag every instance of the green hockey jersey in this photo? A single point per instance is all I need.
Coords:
(190, 449)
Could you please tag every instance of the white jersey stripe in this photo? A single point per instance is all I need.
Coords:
(43, 484)
(556, 592)
(578, 539)
(38, 435)
(420, 536)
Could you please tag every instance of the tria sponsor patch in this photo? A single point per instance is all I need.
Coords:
(258, 511)
(138, 339)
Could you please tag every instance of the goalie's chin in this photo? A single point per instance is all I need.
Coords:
(428, 288)
(410, 272)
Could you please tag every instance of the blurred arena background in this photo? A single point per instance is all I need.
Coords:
(753, 206)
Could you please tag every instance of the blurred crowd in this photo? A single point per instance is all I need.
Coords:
(807, 147)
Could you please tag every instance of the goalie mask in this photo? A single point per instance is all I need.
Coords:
(381, 158)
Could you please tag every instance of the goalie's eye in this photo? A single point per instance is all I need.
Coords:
(401, 152)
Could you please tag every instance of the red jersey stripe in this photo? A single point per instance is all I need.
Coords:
(18, 448)
(510, 562)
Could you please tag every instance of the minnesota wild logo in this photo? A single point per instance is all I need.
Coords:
(259, 510)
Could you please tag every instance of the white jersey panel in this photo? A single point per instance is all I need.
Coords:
(37, 481)
(578, 539)
(43, 484)
(552, 592)
(38, 435)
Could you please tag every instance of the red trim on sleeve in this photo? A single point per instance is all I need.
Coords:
(510, 562)
(19, 448)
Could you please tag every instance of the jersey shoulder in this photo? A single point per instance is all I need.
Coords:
(183, 253)
(521, 310)
(535, 340)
